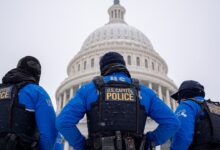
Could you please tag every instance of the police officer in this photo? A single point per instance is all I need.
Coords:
(27, 117)
(116, 106)
(195, 130)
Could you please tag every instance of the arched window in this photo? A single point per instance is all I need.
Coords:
(61, 100)
(68, 94)
(112, 14)
(84, 65)
(129, 60)
(146, 63)
(119, 13)
(115, 13)
(138, 61)
(92, 62)
(152, 65)
(78, 67)
(159, 68)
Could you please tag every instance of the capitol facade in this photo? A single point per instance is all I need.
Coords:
(143, 62)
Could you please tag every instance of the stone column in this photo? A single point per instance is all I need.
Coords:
(64, 98)
(133, 60)
(172, 104)
(176, 104)
(59, 101)
(150, 85)
(167, 99)
(66, 145)
(160, 92)
(71, 92)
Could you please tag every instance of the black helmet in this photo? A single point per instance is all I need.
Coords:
(111, 58)
(112, 62)
(31, 66)
(188, 89)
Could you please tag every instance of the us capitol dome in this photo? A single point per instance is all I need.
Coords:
(143, 62)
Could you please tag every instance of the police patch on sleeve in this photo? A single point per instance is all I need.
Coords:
(119, 94)
(181, 113)
(5, 93)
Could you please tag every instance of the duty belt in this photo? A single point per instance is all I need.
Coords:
(116, 142)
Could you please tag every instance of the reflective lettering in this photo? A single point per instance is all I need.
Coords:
(119, 94)
(108, 95)
(114, 96)
(122, 79)
(4, 95)
(131, 97)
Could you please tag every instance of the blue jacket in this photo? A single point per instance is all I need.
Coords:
(87, 94)
(186, 113)
(36, 99)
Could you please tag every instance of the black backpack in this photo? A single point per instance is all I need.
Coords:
(213, 111)
(18, 129)
(207, 124)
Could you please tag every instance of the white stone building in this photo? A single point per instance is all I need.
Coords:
(143, 62)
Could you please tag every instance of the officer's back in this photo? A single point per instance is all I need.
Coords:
(116, 106)
(27, 117)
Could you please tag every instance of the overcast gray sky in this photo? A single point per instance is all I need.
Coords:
(186, 33)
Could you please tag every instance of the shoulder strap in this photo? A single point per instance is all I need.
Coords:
(201, 103)
(204, 108)
(99, 82)
(136, 84)
(22, 84)
(196, 100)
(213, 102)
(19, 86)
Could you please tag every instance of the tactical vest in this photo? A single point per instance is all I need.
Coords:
(207, 126)
(117, 110)
(18, 129)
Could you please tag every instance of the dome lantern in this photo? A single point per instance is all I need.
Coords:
(116, 13)
(116, 2)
